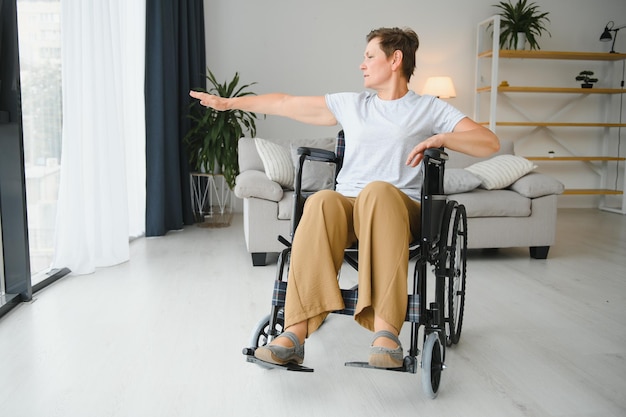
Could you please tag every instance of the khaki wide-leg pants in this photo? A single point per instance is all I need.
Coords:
(384, 220)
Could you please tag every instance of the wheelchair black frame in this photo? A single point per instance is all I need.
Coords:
(428, 250)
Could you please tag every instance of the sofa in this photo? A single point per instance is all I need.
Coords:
(508, 204)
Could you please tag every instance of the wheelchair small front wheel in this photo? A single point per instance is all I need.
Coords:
(262, 331)
(432, 365)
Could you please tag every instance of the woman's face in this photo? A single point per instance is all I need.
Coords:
(376, 66)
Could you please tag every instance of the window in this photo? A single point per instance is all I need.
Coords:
(39, 27)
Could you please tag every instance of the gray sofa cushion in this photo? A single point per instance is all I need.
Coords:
(248, 156)
(536, 185)
(315, 175)
(493, 203)
(459, 180)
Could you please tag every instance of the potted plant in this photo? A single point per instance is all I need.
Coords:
(521, 22)
(213, 137)
(585, 77)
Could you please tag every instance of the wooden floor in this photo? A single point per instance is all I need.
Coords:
(162, 336)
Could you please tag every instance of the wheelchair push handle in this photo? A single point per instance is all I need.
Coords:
(436, 155)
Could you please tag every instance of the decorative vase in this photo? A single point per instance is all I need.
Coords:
(587, 85)
(521, 41)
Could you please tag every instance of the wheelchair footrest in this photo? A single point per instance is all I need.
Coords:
(409, 365)
(249, 352)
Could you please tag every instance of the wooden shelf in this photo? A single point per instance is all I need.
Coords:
(592, 191)
(560, 90)
(575, 158)
(555, 124)
(491, 89)
(582, 56)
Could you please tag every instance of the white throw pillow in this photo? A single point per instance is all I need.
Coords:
(501, 171)
(276, 162)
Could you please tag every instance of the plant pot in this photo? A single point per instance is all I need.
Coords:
(211, 200)
(586, 85)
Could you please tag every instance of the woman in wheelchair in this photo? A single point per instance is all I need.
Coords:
(376, 201)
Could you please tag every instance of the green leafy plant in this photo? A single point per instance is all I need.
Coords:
(521, 17)
(214, 135)
(585, 77)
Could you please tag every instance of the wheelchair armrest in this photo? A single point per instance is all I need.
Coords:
(315, 154)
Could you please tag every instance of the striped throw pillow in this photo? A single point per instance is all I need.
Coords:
(501, 171)
(276, 162)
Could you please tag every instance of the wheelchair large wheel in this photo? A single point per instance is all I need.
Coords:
(454, 265)
(261, 333)
(432, 365)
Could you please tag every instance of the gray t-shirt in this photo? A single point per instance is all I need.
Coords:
(381, 133)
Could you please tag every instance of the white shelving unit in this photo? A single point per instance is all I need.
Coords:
(491, 89)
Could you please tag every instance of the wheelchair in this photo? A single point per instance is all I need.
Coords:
(442, 245)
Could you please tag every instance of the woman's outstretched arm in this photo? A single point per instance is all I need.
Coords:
(306, 109)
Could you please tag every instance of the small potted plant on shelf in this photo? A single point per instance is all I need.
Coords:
(585, 77)
(214, 135)
(520, 23)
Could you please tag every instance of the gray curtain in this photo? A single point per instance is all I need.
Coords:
(175, 63)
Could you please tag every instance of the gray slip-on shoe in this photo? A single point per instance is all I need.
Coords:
(281, 355)
(382, 357)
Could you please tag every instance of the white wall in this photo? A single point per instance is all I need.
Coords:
(315, 47)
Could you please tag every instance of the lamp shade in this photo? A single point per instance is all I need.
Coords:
(441, 87)
(606, 35)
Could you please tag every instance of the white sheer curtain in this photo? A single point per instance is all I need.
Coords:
(102, 188)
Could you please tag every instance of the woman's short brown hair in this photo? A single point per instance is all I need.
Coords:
(394, 39)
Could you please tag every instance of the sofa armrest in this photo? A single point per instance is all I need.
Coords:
(253, 183)
(536, 184)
